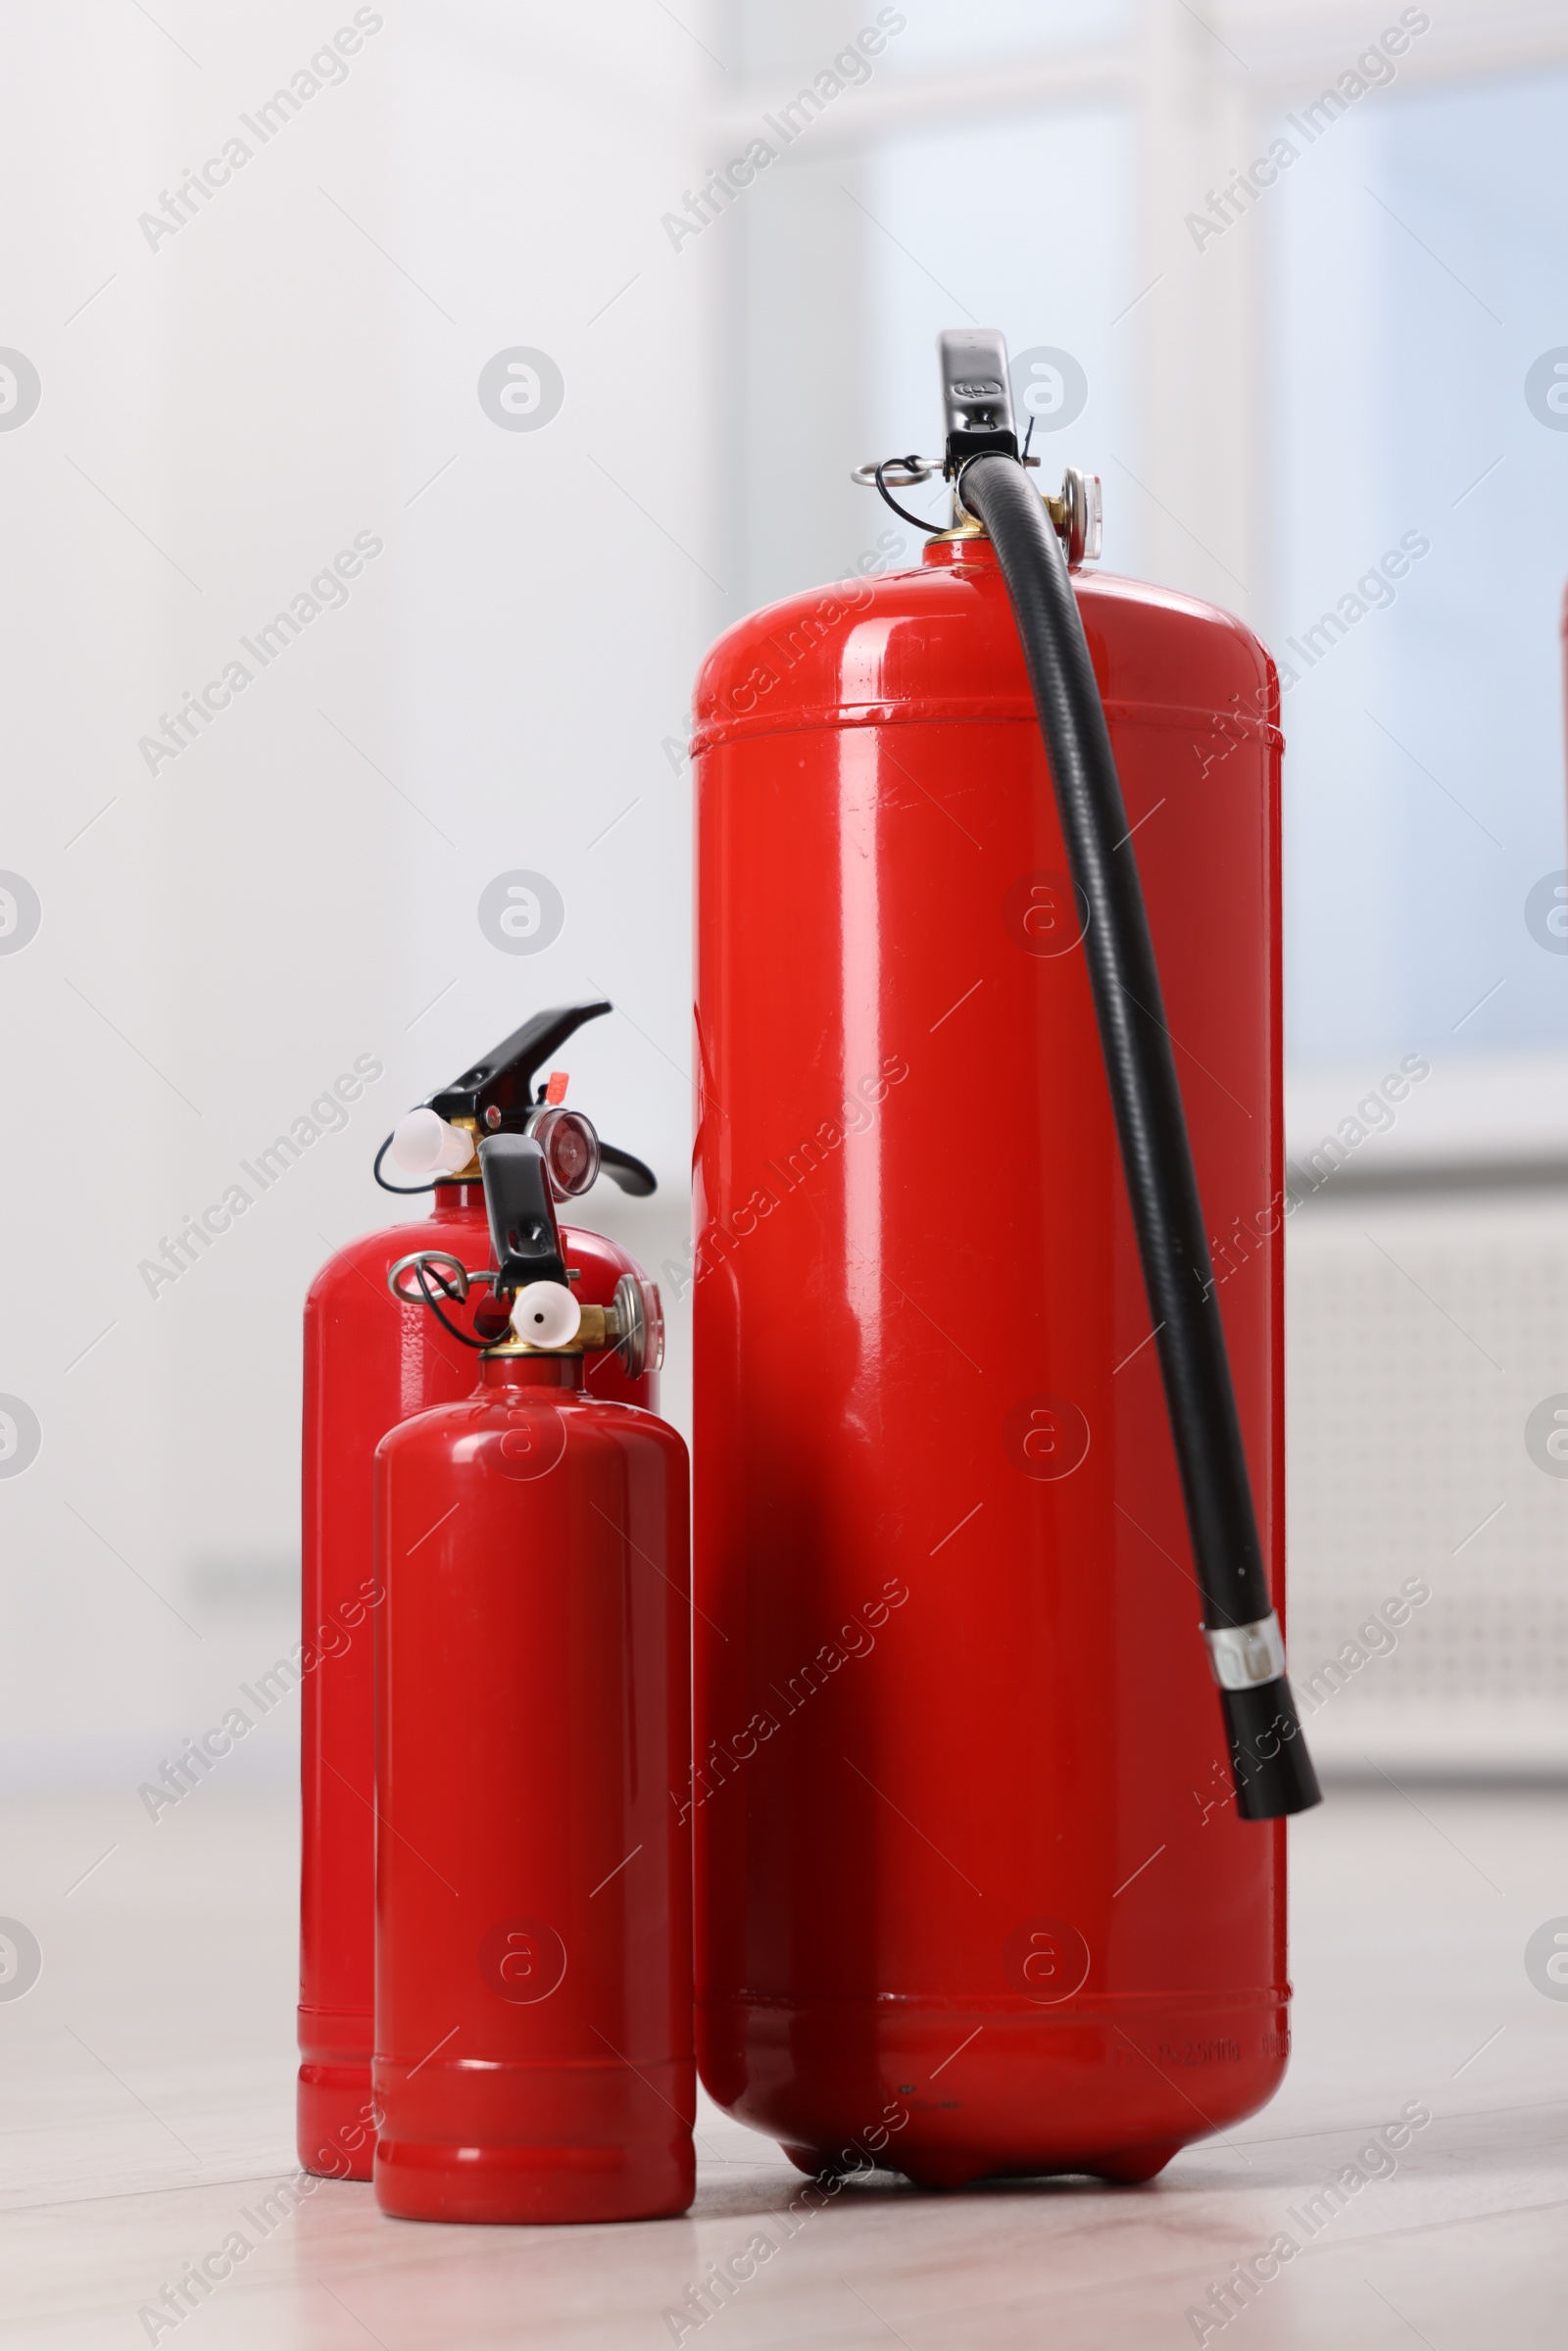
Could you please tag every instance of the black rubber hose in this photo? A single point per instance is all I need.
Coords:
(1272, 1770)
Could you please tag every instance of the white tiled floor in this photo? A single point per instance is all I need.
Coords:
(147, 2099)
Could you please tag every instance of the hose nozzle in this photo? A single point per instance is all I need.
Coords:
(1270, 1762)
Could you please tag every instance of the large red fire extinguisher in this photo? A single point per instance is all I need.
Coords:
(534, 2004)
(988, 1351)
(370, 1360)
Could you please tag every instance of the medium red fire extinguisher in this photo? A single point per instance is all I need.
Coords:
(372, 1359)
(988, 1410)
(534, 2004)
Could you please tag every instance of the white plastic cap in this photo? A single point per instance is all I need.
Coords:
(424, 1144)
(546, 1314)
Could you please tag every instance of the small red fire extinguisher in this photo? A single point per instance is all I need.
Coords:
(534, 2004)
(372, 1359)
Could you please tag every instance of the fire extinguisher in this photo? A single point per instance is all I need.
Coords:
(988, 1351)
(533, 2002)
(370, 1360)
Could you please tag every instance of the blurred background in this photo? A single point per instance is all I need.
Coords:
(559, 462)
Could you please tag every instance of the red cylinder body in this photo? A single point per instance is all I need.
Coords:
(533, 2007)
(370, 1363)
(972, 1894)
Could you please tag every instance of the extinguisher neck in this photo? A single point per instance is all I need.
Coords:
(464, 1200)
(964, 546)
(502, 1368)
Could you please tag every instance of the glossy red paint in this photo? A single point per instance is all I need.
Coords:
(973, 1895)
(370, 1363)
(533, 2005)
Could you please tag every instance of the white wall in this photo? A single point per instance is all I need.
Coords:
(222, 409)
(300, 886)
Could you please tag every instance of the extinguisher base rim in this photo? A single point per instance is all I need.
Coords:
(539, 2185)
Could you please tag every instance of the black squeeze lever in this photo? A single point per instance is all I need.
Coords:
(976, 397)
(629, 1173)
(503, 1081)
(522, 1218)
